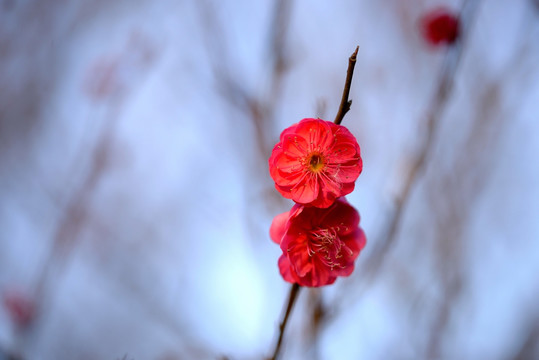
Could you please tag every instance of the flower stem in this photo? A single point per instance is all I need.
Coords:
(294, 290)
(345, 103)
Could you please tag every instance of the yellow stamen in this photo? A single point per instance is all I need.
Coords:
(316, 163)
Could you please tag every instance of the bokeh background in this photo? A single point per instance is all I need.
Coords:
(135, 199)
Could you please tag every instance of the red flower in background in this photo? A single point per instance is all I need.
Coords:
(19, 306)
(315, 162)
(318, 244)
(440, 26)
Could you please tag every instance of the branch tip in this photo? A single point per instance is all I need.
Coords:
(354, 54)
(345, 103)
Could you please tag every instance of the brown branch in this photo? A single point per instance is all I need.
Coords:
(343, 109)
(294, 290)
(345, 103)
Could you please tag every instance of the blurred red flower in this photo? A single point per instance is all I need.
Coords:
(318, 244)
(19, 306)
(440, 26)
(315, 162)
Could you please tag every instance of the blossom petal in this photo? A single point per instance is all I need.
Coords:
(295, 245)
(289, 179)
(289, 130)
(286, 270)
(342, 216)
(300, 260)
(343, 135)
(344, 271)
(316, 279)
(320, 273)
(355, 242)
(295, 146)
(343, 152)
(278, 227)
(283, 190)
(347, 173)
(286, 163)
(305, 191)
(316, 132)
(324, 200)
(296, 210)
(347, 188)
(330, 185)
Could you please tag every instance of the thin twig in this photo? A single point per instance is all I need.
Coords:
(318, 312)
(278, 49)
(343, 109)
(291, 300)
(345, 103)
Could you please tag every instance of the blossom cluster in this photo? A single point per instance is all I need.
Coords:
(316, 163)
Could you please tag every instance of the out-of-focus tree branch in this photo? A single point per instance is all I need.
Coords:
(434, 114)
(278, 49)
(529, 348)
(292, 296)
(259, 109)
(455, 198)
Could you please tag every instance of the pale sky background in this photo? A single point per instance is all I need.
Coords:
(135, 199)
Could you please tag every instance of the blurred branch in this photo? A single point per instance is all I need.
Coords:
(443, 316)
(529, 349)
(345, 103)
(321, 107)
(455, 199)
(434, 114)
(294, 290)
(110, 86)
(5, 355)
(279, 33)
(76, 212)
(257, 108)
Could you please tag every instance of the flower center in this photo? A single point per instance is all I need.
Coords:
(316, 163)
(326, 244)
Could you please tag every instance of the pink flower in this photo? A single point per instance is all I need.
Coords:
(440, 26)
(318, 244)
(315, 162)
